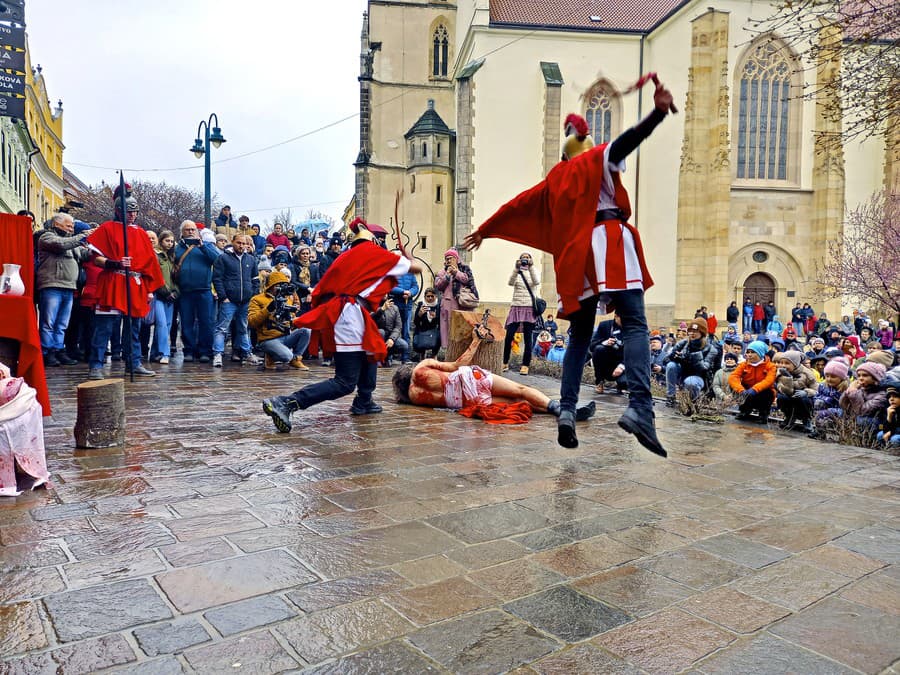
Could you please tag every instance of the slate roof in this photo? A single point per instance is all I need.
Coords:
(429, 123)
(615, 15)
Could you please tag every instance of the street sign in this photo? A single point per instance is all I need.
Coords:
(13, 59)
(12, 10)
(12, 105)
(12, 36)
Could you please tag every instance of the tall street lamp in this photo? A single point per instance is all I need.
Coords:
(201, 149)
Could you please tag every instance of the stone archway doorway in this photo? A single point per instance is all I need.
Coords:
(760, 287)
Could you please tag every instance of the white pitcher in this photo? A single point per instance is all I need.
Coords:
(11, 281)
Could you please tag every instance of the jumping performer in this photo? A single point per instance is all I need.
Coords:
(579, 213)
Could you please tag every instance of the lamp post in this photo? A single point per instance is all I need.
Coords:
(201, 149)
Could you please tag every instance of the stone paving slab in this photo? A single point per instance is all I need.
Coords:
(421, 541)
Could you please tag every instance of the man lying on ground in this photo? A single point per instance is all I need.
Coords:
(457, 385)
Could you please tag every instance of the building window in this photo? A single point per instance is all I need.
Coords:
(438, 152)
(412, 184)
(423, 242)
(440, 45)
(412, 152)
(602, 113)
(765, 112)
(424, 150)
(3, 135)
(438, 194)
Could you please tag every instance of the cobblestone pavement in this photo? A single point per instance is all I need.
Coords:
(420, 541)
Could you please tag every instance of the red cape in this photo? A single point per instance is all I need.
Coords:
(557, 216)
(352, 272)
(108, 240)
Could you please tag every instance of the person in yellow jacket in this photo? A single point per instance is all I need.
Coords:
(270, 315)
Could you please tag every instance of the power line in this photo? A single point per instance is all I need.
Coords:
(286, 141)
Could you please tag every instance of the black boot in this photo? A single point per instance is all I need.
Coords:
(50, 359)
(279, 408)
(64, 358)
(565, 430)
(643, 429)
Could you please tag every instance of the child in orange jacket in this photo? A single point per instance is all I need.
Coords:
(753, 383)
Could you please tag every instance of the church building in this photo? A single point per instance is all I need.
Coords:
(462, 105)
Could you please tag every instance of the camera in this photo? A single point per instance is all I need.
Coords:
(524, 263)
(280, 311)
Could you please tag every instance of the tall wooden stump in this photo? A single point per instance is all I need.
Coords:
(490, 354)
(101, 414)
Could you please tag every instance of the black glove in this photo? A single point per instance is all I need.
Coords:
(112, 265)
(800, 394)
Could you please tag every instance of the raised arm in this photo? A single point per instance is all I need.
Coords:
(626, 143)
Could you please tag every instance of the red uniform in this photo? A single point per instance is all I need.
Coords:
(555, 216)
(357, 276)
(145, 276)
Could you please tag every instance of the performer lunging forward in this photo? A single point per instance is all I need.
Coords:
(355, 284)
(579, 213)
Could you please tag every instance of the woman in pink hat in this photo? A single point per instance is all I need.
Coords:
(455, 276)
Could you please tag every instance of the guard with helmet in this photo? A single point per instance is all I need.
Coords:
(354, 285)
(140, 269)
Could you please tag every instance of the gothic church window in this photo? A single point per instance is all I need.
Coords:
(765, 112)
(440, 44)
(602, 113)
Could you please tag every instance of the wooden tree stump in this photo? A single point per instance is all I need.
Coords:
(101, 414)
(490, 354)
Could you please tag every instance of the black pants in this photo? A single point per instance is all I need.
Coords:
(798, 409)
(758, 401)
(352, 370)
(605, 359)
(527, 335)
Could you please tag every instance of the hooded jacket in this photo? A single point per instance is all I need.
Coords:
(258, 312)
(235, 277)
(759, 378)
(801, 379)
(59, 255)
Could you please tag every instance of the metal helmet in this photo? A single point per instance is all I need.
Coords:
(131, 205)
(360, 230)
(578, 140)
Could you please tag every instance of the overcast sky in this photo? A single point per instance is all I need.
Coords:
(136, 78)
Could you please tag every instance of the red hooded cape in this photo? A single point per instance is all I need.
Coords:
(557, 216)
(352, 272)
(108, 240)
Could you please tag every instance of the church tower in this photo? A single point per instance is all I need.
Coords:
(407, 56)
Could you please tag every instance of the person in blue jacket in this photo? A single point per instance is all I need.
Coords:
(404, 295)
(558, 351)
(194, 258)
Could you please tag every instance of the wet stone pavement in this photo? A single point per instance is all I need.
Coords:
(418, 541)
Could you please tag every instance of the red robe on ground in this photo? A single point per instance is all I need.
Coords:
(557, 216)
(108, 241)
(352, 272)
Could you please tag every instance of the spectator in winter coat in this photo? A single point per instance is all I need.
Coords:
(885, 334)
(797, 319)
(60, 253)
(259, 241)
(864, 400)
(543, 344)
(658, 355)
(558, 351)
(455, 276)
(278, 341)
(404, 295)
(521, 317)
(822, 324)
(759, 316)
(692, 363)
(774, 328)
(278, 238)
(225, 222)
(390, 325)
(607, 351)
(889, 435)
(236, 281)
(795, 388)
(551, 325)
(732, 314)
(770, 311)
(194, 258)
(753, 383)
(427, 325)
(721, 390)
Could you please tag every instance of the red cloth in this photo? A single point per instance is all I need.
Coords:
(109, 242)
(18, 320)
(499, 413)
(351, 273)
(557, 215)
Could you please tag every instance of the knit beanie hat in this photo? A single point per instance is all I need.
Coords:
(882, 357)
(265, 266)
(876, 370)
(699, 323)
(759, 347)
(452, 252)
(682, 325)
(837, 367)
(796, 358)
